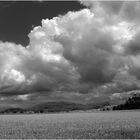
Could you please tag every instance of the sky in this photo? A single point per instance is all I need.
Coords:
(78, 51)
(21, 17)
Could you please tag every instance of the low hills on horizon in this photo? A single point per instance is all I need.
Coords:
(133, 102)
(54, 107)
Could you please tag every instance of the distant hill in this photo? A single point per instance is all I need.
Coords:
(65, 106)
(133, 102)
(12, 110)
(54, 107)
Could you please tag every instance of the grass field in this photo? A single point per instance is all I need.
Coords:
(84, 125)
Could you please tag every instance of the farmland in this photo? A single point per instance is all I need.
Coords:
(82, 125)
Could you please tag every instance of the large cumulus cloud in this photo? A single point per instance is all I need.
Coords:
(93, 51)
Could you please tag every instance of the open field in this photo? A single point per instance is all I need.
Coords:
(117, 124)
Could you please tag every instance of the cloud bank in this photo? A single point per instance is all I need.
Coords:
(94, 51)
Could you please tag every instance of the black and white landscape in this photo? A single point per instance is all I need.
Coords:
(63, 64)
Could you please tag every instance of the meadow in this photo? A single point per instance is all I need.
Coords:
(75, 125)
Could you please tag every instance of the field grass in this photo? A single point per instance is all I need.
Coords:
(84, 125)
